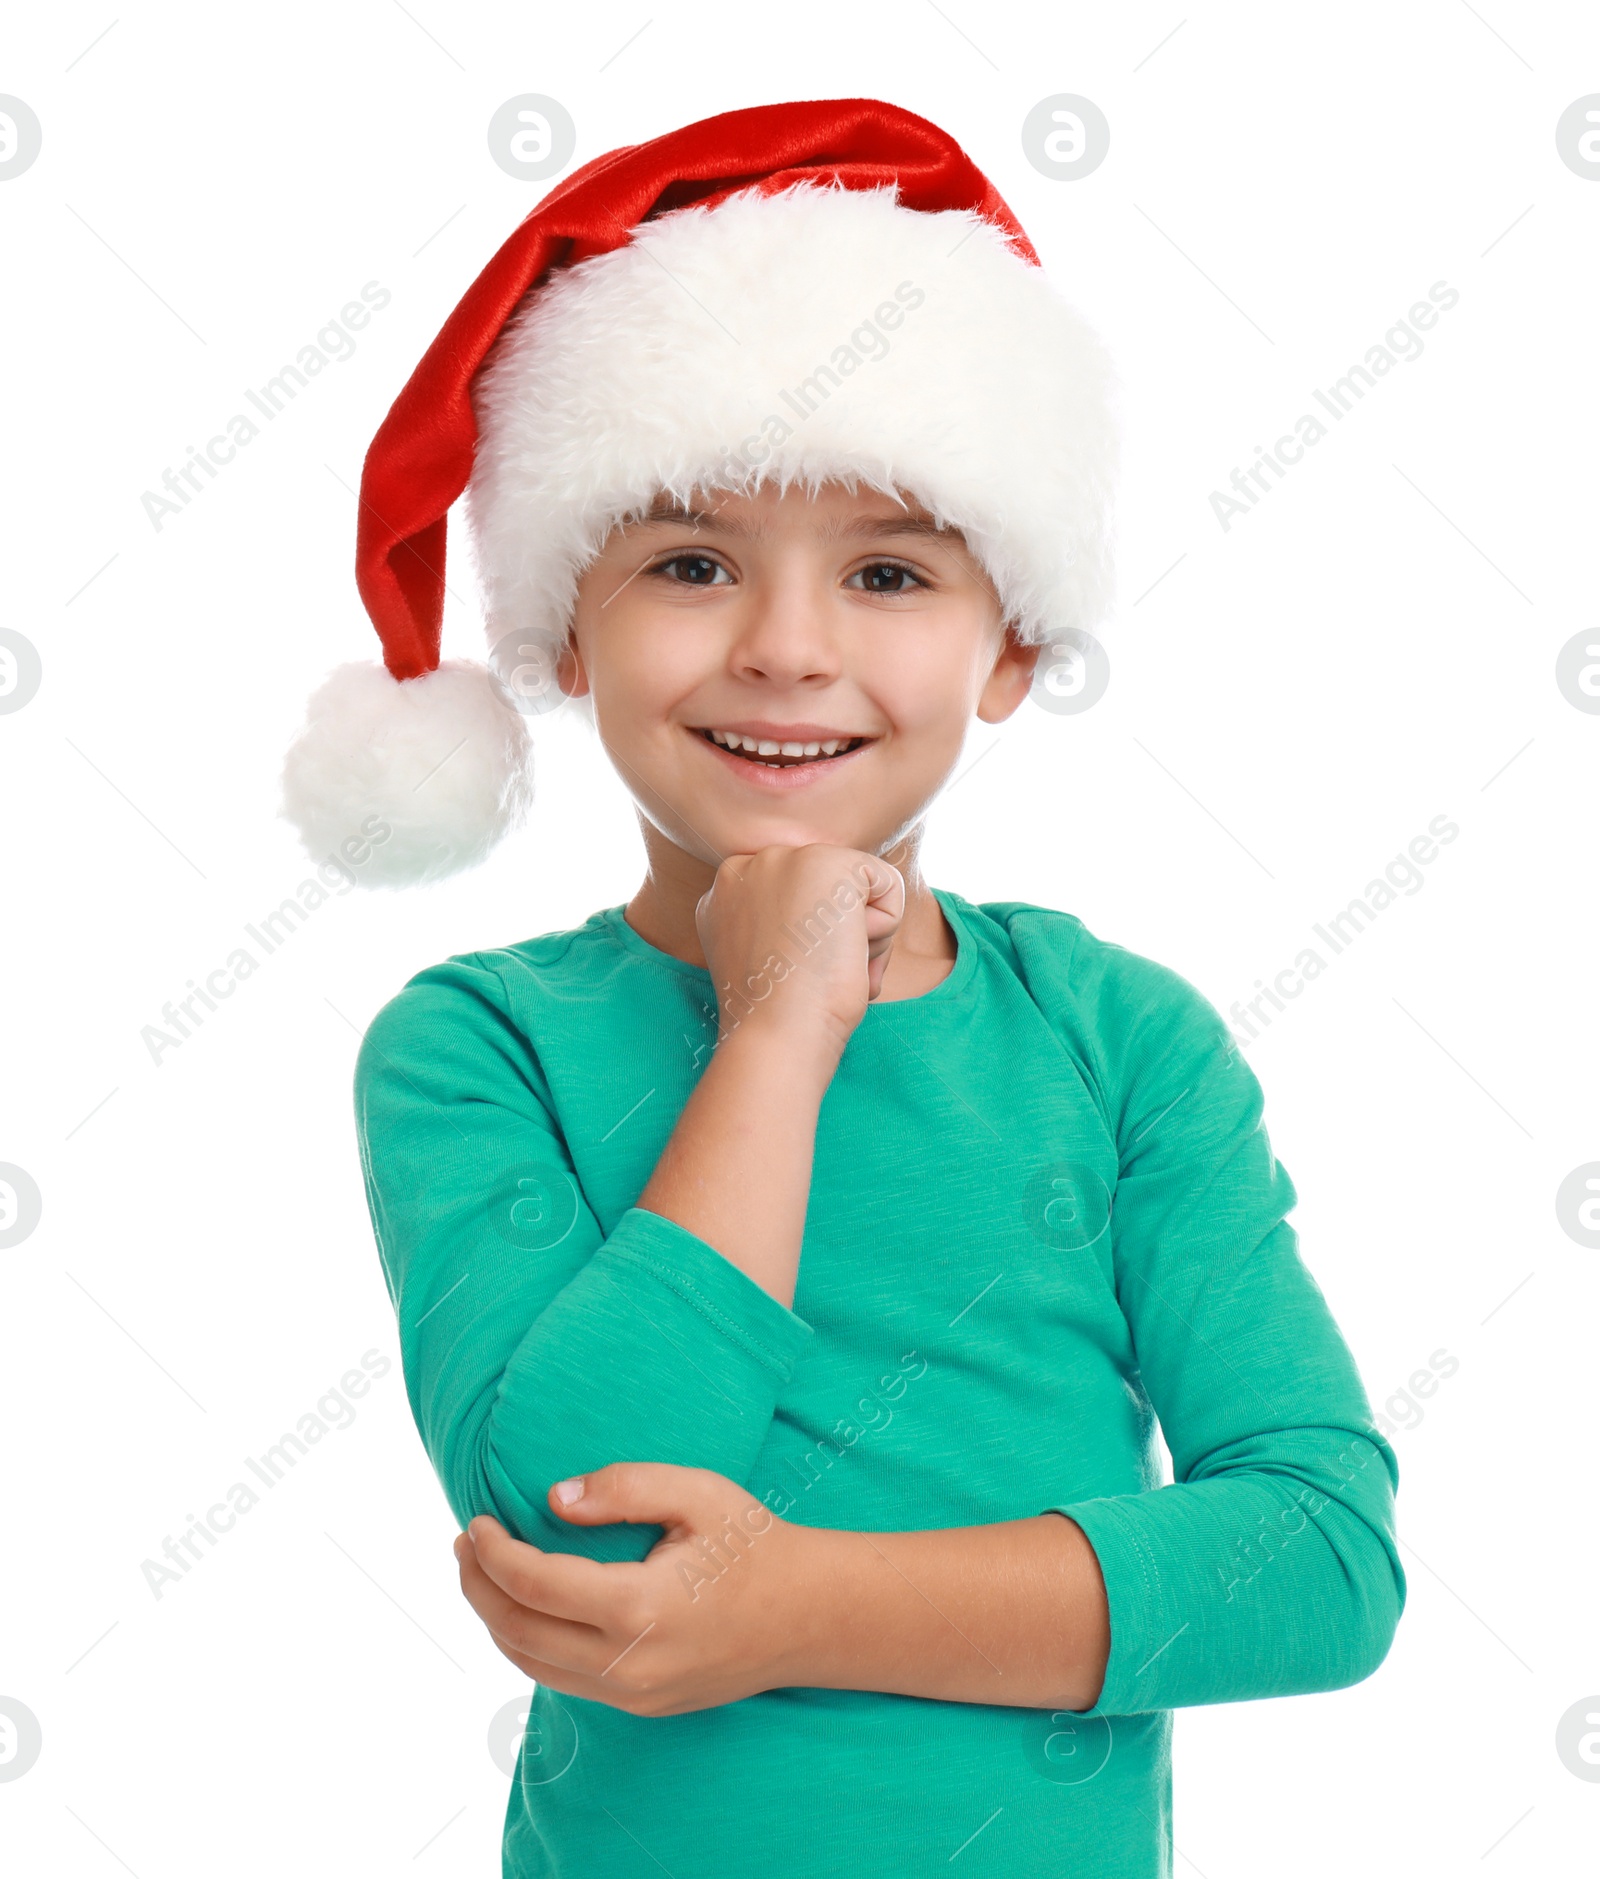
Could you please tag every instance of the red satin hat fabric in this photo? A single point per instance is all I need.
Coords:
(421, 458)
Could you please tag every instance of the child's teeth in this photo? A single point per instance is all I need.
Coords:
(770, 747)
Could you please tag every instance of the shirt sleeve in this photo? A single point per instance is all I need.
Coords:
(535, 1345)
(1269, 1566)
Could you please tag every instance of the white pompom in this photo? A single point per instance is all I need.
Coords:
(421, 777)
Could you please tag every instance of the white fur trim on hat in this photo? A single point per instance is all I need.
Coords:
(811, 335)
(419, 777)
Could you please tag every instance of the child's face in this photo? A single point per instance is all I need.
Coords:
(796, 619)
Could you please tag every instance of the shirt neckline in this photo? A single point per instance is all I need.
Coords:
(949, 988)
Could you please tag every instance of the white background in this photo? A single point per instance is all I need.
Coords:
(1373, 646)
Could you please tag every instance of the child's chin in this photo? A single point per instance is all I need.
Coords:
(748, 834)
(779, 831)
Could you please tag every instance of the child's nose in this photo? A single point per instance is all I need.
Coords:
(787, 634)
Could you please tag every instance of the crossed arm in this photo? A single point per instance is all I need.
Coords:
(734, 1600)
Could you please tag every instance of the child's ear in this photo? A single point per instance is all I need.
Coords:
(570, 673)
(1009, 682)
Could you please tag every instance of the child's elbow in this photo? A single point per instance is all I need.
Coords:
(509, 1477)
(1348, 1599)
(1383, 1620)
(1377, 1599)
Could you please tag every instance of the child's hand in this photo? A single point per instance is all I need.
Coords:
(712, 1614)
(798, 938)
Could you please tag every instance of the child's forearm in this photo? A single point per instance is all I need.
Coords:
(737, 1168)
(1014, 1613)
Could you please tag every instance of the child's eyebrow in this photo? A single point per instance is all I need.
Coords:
(887, 525)
(666, 510)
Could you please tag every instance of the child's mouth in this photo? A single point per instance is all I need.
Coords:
(782, 754)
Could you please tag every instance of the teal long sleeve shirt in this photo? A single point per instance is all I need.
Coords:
(1044, 1218)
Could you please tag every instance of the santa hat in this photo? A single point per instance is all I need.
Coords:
(797, 293)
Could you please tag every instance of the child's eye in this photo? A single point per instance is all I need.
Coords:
(886, 577)
(692, 570)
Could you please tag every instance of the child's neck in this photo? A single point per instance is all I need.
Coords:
(663, 913)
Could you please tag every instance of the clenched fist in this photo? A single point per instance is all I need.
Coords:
(797, 939)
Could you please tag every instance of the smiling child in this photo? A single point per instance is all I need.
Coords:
(796, 1265)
